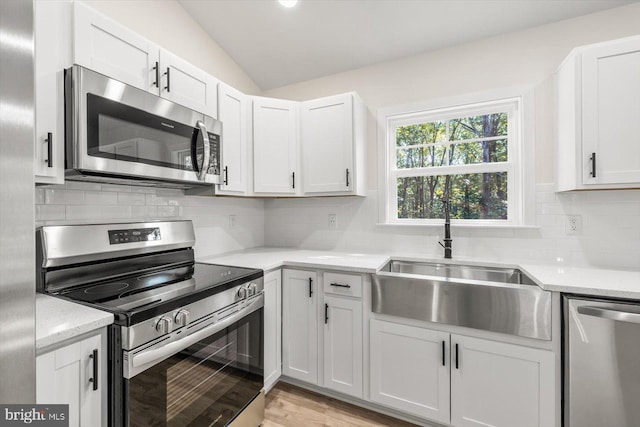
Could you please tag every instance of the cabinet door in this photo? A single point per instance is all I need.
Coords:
(107, 47)
(501, 385)
(300, 325)
(327, 144)
(272, 328)
(611, 107)
(187, 85)
(275, 150)
(65, 376)
(232, 112)
(52, 26)
(410, 369)
(343, 345)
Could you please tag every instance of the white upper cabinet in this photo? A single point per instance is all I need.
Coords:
(52, 26)
(109, 48)
(333, 140)
(187, 85)
(233, 112)
(275, 147)
(598, 104)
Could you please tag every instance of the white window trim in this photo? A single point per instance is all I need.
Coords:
(521, 165)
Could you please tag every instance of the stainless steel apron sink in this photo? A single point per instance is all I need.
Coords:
(502, 300)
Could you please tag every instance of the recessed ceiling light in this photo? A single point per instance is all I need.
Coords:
(288, 3)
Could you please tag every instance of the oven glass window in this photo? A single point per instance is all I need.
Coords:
(120, 132)
(206, 384)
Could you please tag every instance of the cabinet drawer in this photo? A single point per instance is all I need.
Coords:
(343, 284)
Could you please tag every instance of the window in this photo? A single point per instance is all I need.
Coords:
(473, 151)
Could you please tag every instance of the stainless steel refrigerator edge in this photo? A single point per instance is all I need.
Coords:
(17, 259)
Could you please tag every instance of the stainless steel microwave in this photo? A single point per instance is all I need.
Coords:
(120, 134)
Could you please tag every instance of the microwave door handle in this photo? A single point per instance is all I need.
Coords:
(206, 149)
(158, 354)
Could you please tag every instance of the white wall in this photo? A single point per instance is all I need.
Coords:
(611, 220)
(167, 24)
(79, 202)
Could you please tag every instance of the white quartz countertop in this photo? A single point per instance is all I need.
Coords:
(58, 320)
(559, 278)
(586, 281)
(272, 258)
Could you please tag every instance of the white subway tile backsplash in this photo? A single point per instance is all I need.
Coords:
(610, 219)
(133, 199)
(147, 190)
(80, 202)
(59, 196)
(83, 212)
(81, 185)
(116, 188)
(100, 198)
(39, 196)
(607, 218)
(50, 212)
(168, 211)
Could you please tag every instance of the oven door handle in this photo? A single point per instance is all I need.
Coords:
(158, 354)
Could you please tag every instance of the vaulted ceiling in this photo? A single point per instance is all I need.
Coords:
(278, 46)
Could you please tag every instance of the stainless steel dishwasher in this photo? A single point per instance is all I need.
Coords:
(601, 363)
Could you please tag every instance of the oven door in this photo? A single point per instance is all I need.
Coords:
(205, 378)
(119, 130)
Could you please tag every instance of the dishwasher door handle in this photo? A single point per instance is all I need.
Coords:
(610, 313)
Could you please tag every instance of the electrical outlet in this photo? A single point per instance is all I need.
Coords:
(333, 221)
(232, 221)
(573, 225)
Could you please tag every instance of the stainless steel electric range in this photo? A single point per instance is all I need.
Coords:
(186, 348)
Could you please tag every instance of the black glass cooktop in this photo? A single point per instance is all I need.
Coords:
(142, 295)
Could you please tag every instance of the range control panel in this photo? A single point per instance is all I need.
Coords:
(131, 235)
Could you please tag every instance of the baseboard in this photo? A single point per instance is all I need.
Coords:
(360, 402)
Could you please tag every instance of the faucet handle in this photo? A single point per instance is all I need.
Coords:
(440, 243)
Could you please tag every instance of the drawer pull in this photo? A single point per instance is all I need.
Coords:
(340, 285)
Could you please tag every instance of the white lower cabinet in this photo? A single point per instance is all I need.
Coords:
(300, 325)
(502, 385)
(272, 328)
(66, 376)
(410, 369)
(343, 345)
(323, 330)
(460, 380)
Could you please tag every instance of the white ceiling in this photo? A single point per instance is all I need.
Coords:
(278, 46)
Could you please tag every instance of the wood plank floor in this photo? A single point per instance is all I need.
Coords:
(290, 406)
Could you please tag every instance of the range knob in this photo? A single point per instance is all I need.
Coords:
(182, 318)
(163, 325)
(252, 288)
(242, 292)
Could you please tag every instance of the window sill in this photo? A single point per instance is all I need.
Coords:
(467, 226)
